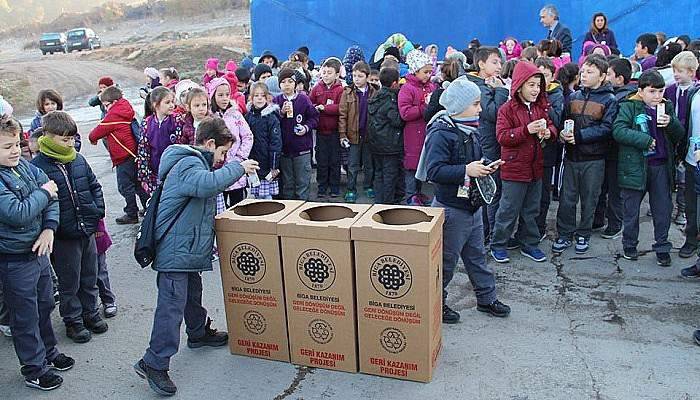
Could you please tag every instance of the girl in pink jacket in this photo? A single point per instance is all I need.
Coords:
(413, 99)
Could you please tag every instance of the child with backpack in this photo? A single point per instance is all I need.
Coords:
(116, 128)
(264, 121)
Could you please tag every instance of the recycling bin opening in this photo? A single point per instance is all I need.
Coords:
(327, 213)
(401, 216)
(257, 209)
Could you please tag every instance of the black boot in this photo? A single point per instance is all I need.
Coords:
(96, 324)
(158, 380)
(127, 220)
(497, 309)
(78, 333)
(449, 316)
(211, 338)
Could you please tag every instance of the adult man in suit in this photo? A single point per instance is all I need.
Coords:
(549, 17)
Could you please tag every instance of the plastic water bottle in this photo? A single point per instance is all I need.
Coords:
(642, 120)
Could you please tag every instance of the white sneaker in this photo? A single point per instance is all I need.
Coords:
(6, 330)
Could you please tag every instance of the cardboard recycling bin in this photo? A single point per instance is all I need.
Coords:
(251, 276)
(318, 281)
(398, 266)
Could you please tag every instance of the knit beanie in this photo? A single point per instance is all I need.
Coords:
(273, 86)
(214, 84)
(212, 63)
(261, 69)
(151, 73)
(456, 55)
(459, 95)
(183, 86)
(286, 73)
(231, 66)
(106, 80)
(242, 74)
(416, 60)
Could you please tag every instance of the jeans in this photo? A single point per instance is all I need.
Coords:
(29, 296)
(179, 295)
(610, 201)
(103, 286)
(680, 183)
(691, 203)
(129, 187)
(296, 176)
(661, 208)
(519, 200)
(413, 186)
(582, 181)
(388, 185)
(463, 234)
(75, 262)
(360, 159)
(328, 162)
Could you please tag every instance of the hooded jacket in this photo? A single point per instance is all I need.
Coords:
(385, 126)
(491, 100)
(632, 164)
(593, 112)
(267, 137)
(411, 107)
(189, 182)
(329, 97)
(522, 151)
(116, 128)
(242, 140)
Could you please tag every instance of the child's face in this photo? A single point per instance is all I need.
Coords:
(300, 87)
(616, 81)
(65, 141)
(591, 77)
(531, 89)
(423, 74)
(199, 107)
(374, 79)
(510, 45)
(101, 87)
(242, 86)
(222, 97)
(264, 76)
(433, 52)
(219, 152)
(33, 145)
(492, 66)
(210, 72)
(10, 151)
(640, 51)
(684, 76)
(269, 61)
(49, 105)
(259, 98)
(547, 75)
(166, 106)
(651, 96)
(359, 78)
(328, 75)
(288, 85)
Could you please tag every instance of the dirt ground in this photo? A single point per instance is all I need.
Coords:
(181, 43)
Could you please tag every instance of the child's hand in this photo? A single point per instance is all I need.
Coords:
(300, 130)
(536, 126)
(51, 187)
(285, 107)
(477, 169)
(274, 173)
(320, 107)
(44, 244)
(662, 121)
(250, 166)
(494, 82)
(544, 134)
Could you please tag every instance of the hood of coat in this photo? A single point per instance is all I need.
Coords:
(524, 71)
(122, 109)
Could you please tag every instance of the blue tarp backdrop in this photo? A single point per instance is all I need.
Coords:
(329, 27)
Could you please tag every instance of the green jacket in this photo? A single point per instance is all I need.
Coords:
(632, 164)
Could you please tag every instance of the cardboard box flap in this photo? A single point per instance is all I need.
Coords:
(255, 216)
(399, 224)
(322, 221)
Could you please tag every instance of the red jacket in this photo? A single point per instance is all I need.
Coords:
(330, 98)
(116, 128)
(522, 151)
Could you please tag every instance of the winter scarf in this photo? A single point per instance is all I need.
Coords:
(60, 153)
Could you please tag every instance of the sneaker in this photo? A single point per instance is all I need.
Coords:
(449, 316)
(78, 333)
(335, 192)
(370, 193)
(321, 193)
(350, 197)
(96, 324)
(663, 259)
(61, 363)
(598, 226)
(691, 272)
(211, 338)
(46, 382)
(127, 220)
(500, 256)
(611, 233)
(158, 380)
(513, 244)
(687, 250)
(630, 254)
(581, 245)
(497, 309)
(5, 330)
(110, 310)
(696, 337)
(680, 218)
(534, 254)
(560, 245)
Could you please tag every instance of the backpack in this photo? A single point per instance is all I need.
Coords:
(136, 130)
(146, 242)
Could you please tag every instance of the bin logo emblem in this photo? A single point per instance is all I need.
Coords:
(391, 276)
(320, 331)
(393, 340)
(248, 263)
(254, 322)
(316, 270)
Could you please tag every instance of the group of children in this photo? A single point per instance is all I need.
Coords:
(597, 136)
